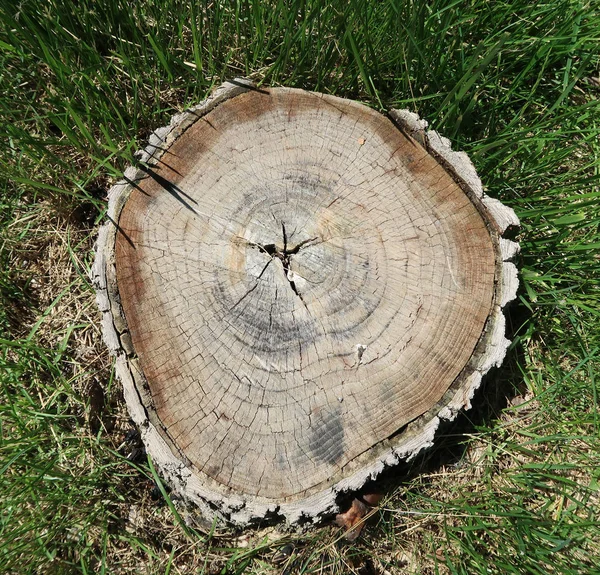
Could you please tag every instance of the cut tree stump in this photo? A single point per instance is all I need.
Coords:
(297, 290)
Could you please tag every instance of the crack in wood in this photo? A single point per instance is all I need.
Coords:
(284, 255)
(253, 287)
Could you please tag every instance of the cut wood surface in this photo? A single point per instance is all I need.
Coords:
(297, 289)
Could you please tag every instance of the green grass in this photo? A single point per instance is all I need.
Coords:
(514, 83)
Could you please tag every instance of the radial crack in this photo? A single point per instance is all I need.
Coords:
(283, 255)
(253, 287)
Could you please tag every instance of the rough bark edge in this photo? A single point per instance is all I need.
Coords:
(212, 500)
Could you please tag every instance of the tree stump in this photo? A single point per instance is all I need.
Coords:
(297, 290)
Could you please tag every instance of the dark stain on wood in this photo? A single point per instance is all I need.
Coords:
(326, 441)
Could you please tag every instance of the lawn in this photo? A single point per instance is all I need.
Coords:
(512, 487)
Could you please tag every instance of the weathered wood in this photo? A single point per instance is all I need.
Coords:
(297, 289)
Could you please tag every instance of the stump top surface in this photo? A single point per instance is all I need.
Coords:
(300, 280)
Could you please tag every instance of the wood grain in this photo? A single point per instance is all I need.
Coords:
(294, 279)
